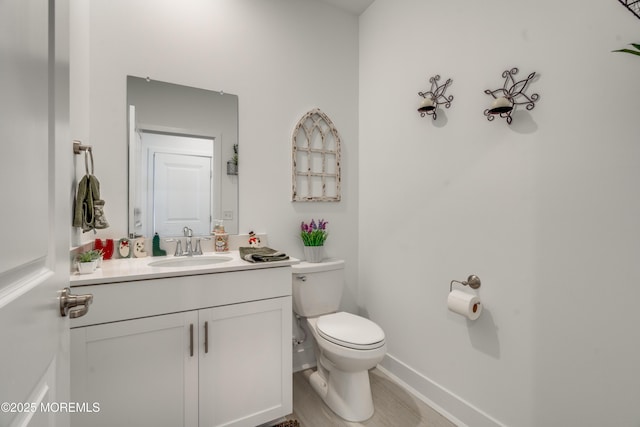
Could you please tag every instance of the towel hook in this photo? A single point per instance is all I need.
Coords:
(473, 282)
(78, 147)
(88, 153)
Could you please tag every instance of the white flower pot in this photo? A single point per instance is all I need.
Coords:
(87, 267)
(314, 253)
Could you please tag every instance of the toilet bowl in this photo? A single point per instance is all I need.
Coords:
(346, 345)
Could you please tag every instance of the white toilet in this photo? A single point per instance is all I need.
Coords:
(346, 345)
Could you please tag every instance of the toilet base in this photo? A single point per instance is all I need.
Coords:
(348, 394)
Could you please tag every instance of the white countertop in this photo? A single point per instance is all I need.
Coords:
(130, 269)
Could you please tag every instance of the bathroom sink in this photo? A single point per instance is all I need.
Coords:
(190, 261)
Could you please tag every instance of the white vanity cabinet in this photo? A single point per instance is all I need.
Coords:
(202, 350)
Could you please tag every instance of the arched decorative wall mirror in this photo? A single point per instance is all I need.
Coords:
(180, 140)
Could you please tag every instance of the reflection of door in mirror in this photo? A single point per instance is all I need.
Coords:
(186, 197)
(175, 183)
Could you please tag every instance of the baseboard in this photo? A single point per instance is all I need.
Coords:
(452, 407)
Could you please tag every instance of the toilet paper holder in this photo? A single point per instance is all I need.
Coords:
(473, 282)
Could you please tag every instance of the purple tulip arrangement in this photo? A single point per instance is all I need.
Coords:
(314, 234)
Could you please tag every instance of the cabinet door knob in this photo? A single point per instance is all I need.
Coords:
(69, 302)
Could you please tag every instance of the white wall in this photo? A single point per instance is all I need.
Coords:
(281, 57)
(545, 211)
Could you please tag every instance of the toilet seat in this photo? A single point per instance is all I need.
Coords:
(351, 331)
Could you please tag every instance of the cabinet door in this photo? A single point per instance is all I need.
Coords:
(140, 372)
(245, 371)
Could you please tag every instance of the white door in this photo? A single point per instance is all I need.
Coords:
(35, 212)
(182, 193)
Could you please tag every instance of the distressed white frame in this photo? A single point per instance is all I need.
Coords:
(316, 159)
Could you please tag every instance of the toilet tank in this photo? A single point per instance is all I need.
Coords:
(317, 287)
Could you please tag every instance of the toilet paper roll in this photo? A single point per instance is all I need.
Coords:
(465, 304)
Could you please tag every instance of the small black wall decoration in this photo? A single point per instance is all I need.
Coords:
(633, 6)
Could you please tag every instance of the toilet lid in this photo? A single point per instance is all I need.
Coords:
(350, 331)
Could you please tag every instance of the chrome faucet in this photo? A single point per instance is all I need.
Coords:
(188, 234)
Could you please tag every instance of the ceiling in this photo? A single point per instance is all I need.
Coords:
(353, 6)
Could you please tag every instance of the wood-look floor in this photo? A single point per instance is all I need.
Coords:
(394, 406)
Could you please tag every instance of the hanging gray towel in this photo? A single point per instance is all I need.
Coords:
(89, 208)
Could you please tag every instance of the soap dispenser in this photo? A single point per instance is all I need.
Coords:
(221, 238)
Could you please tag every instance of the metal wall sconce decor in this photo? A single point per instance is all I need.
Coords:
(434, 97)
(512, 94)
(633, 6)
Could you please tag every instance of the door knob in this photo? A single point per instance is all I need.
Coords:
(74, 305)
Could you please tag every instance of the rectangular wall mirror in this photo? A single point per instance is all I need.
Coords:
(180, 140)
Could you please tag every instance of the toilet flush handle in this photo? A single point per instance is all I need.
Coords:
(302, 278)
